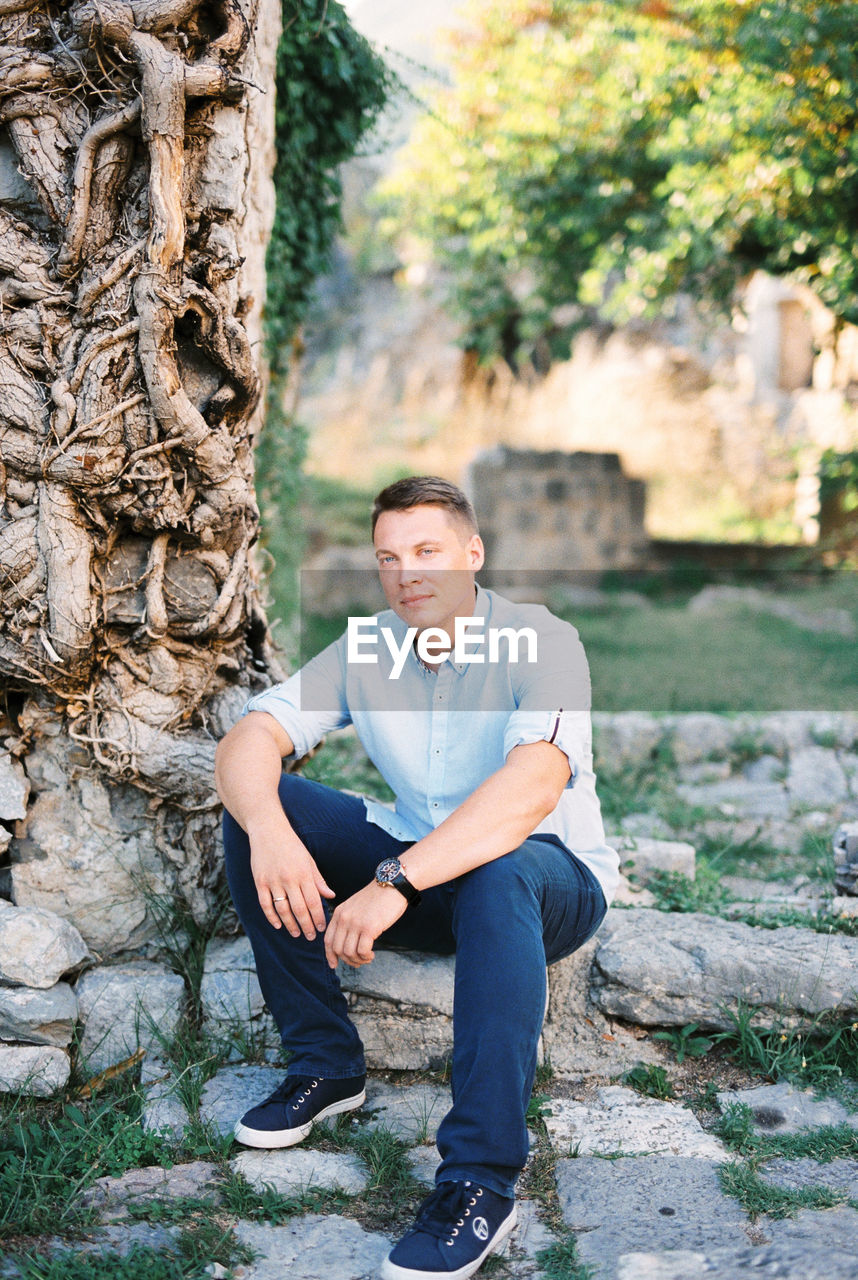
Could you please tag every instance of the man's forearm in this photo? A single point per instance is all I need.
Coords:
(248, 765)
(502, 812)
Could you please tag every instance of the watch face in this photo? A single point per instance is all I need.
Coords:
(387, 871)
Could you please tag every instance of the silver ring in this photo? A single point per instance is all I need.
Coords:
(283, 899)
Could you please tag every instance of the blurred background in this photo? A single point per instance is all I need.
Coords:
(596, 265)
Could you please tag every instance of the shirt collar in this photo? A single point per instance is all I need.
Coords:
(482, 609)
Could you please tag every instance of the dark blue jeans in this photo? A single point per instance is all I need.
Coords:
(505, 921)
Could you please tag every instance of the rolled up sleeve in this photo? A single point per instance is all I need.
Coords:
(553, 698)
(310, 703)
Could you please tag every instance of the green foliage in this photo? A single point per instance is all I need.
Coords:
(823, 1052)
(650, 1080)
(838, 476)
(611, 154)
(140, 1263)
(46, 1161)
(560, 1262)
(685, 1041)
(331, 87)
(674, 891)
(758, 1196)
(199, 1246)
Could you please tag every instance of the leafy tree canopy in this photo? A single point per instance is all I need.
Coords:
(610, 155)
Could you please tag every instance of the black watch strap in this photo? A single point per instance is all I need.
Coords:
(390, 873)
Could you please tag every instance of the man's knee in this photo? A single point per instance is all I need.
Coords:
(503, 882)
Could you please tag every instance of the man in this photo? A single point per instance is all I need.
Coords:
(487, 749)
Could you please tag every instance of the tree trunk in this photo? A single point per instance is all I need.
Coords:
(135, 201)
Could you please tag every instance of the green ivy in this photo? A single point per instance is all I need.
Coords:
(331, 87)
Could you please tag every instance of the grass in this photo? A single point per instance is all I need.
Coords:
(822, 1053)
(757, 1196)
(665, 658)
(50, 1154)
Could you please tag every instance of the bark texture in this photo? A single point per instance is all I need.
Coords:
(135, 155)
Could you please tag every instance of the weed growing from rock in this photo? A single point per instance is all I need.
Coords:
(650, 1080)
(823, 1053)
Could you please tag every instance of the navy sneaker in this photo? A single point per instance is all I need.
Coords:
(455, 1230)
(290, 1113)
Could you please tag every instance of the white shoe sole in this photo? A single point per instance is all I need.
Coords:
(390, 1270)
(273, 1139)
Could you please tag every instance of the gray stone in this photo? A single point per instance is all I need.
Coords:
(412, 1113)
(123, 1237)
(646, 1204)
(650, 825)
(658, 968)
(41, 1070)
(738, 797)
(577, 1038)
(126, 1007)
(782, 1108)
(846, 858)
(625, 739)
(163, 1110)
(632, 894)
(314, 1247)
(234, 1090)
(788, 1260)
(531, 1235)
(640, 857)
(699, 736)
(233, 1004)
(38, 1016)
(415, 1040)
(293, 1171)
(787, 731)
(621, 1120)
(705, 771)
(37, 947)
(408, 977)
(835, 1229)
(111, 1196)
(796, 1175)
(88, 851)
(14, 789)
(765, 769)
(424, 1162)
(816, 780)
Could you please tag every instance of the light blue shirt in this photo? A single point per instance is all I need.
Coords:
(435, 736)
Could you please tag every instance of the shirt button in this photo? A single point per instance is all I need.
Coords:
(434, 804)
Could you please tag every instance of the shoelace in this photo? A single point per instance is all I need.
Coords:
(450, 1202)
(287, 1089)
(305, 1093)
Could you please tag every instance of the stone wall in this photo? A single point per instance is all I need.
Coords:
(774, 779)
(557, 511)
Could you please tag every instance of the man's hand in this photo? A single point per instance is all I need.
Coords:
(357, 922)
(288, 882)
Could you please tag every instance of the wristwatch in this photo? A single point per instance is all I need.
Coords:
(390, 873)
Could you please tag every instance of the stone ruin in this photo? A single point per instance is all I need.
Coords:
(557, 511)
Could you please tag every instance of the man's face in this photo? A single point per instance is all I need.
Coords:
(427, 559)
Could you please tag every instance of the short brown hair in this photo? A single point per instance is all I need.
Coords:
(418, 491)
